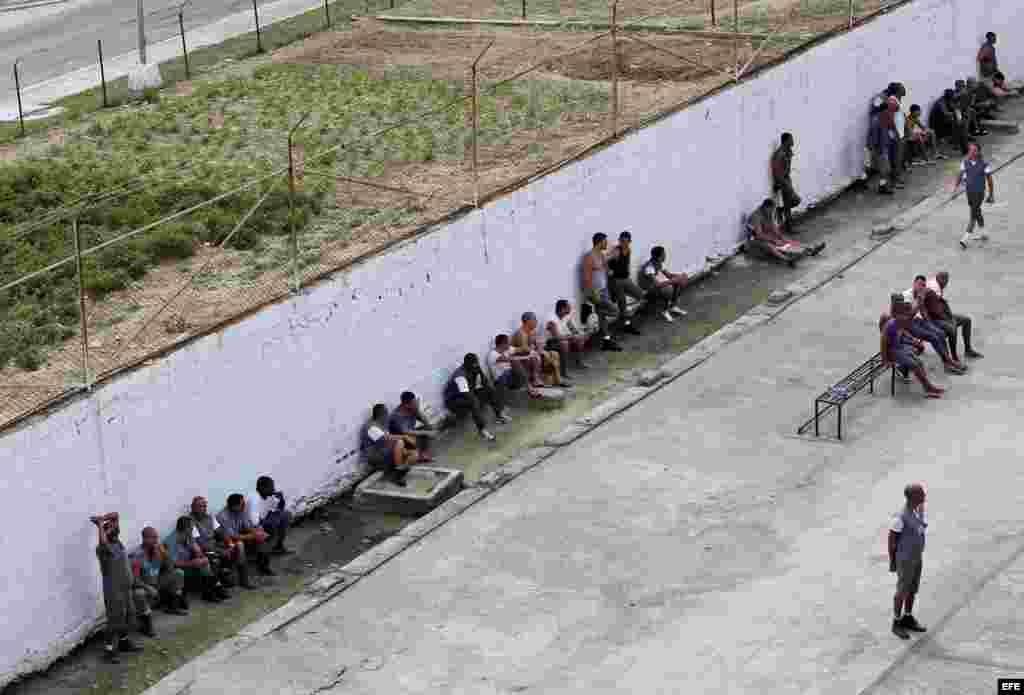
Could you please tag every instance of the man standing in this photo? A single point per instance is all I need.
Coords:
(565, 337)
(906, 550)
(595, 289)
(117, 587)
(950, 320)
(988, 65)
(975, 173)
(469, 389)
(663, 285)
(782, 181)
(619, 282)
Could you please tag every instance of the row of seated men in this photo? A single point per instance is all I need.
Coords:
(530, 359)
(922, 315)
(205, 554)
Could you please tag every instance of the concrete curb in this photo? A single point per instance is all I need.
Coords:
(335, 583)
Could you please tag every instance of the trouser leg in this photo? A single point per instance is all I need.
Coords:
(276, 526)
(964, 322)
(468, 403)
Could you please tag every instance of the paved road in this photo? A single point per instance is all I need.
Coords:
(694, 544)
(59, 38)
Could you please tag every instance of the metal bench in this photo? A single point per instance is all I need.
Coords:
(845, 389)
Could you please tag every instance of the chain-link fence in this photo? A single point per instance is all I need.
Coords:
(134, 230)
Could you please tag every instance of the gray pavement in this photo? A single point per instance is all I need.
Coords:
(693, 543)
(56, 44)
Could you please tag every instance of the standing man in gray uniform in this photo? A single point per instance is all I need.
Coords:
(906, 549)
(974, 174)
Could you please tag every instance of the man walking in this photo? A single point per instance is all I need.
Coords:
(975, 173)
(906, 549)
(782, 181)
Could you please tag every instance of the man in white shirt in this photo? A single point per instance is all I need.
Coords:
(565, 337)
(503, 369)
(266, 510)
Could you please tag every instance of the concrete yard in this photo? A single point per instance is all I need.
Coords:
(694, 543)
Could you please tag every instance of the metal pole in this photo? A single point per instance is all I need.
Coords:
(142, 35)
(17, 89)
(259, 38)
(86, 378)
(851, 14)
(524, 9)
(736, 38)
(327, 14)
(184, 46)
(291, 204)
(103, 76)
(714, 21)
(615, 70)
(475, 108)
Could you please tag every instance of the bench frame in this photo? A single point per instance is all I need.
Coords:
(855, 381)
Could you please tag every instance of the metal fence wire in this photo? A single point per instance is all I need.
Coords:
(105, 275)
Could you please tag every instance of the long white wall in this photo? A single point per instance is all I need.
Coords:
(284, 392)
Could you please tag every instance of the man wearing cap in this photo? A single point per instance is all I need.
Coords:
(974, 175)
(620, 284)
(536, 360)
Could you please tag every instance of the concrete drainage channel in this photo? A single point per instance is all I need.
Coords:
(334, 583)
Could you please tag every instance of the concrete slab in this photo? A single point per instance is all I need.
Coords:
(691, 543)
(426, 487)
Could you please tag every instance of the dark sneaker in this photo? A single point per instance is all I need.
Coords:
(909, 622)
(899, 630)
(127, 646)
(110, 655)
(281, 550)
(609, 345)
(974, 354)
(631, 329)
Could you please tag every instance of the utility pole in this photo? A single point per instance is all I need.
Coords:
(142, 35)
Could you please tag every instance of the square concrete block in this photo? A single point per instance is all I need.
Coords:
(426, 487)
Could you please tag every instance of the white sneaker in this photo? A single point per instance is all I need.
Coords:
(668, 317)
(487, 436)
(678, 311)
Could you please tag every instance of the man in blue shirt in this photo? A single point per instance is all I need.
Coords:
(407, 421)
(975, 173)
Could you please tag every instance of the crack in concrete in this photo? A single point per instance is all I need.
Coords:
(333, 683)
(943, 655)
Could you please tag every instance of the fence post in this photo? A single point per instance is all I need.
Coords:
(103, 75)
(714, 21)
(736, 38)
(17, 89)
(851, 14)
(184, 46)
(291, 203)
(524, 10)
(475, 112)
(615, 69)
(327, 14)
(259, 38)
(83, 319)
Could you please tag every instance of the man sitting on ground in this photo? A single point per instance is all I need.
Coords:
(947, 121)
(922, 142)
(409, 422)
(782, 180)
(565, 337)
(765, 237)
(385, 451)
(662, 285)
(158, 583)
(1000, 90)
(503, 369)
(896, 350)
(268, 509)
(469, 389)
(536, 360)
(189, 557)
(208, 534)
(951, 321)
(238, 527)
(620, 284)
(595, 290)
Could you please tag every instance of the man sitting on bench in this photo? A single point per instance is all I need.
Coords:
(766, 238)
(897, 350)
(924, 329)
(951, 321)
